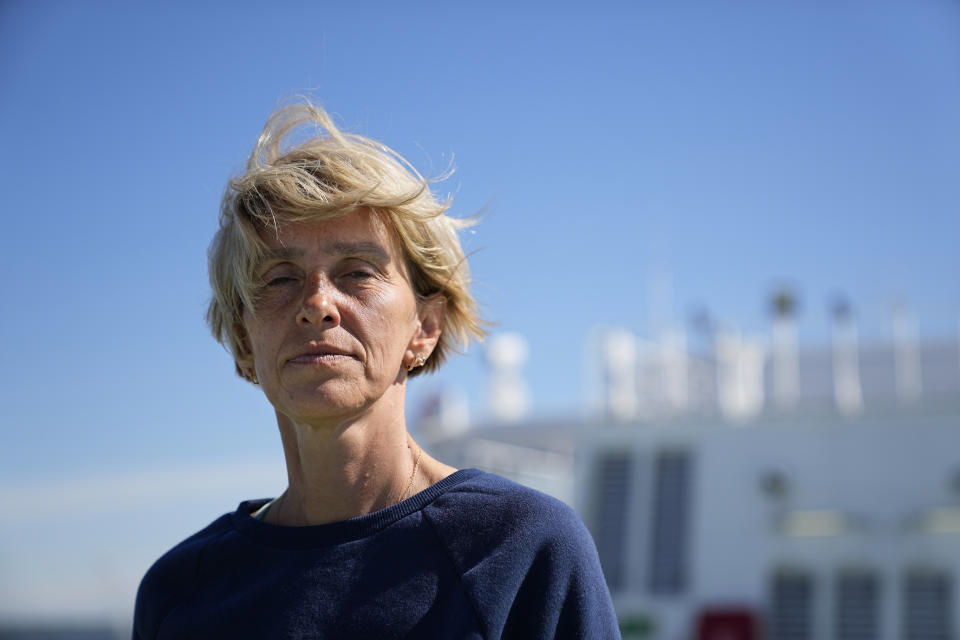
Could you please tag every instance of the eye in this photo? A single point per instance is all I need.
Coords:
(279, 281)
(359, 274)
(280, 275)
(355, 270)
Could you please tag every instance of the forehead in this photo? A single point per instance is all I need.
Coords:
(359, 230)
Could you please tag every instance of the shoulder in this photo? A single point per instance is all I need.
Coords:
(488, 512)
(526, 558)
(490, 509)
(171, 578)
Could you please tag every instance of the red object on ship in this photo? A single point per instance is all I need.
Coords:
(727, 624)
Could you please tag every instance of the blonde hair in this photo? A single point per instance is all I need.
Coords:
(331, 174)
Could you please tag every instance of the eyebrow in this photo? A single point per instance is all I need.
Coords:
(364, 249)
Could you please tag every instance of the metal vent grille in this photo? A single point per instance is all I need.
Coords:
(791, 606)
(857, 606)
(671, 519)
(927, 603)
(614, 477)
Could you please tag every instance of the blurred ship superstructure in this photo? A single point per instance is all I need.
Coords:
(813, 492)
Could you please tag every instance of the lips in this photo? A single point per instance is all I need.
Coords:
(313, 354)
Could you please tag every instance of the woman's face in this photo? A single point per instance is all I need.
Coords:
(336, 320)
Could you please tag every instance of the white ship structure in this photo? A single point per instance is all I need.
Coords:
(752, 488)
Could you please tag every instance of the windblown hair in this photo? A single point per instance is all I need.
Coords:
(331, 174)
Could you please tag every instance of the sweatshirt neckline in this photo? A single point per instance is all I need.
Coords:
(346, 530)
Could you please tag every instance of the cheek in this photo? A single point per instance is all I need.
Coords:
(278, 298)
(390, 321)
(257, 339)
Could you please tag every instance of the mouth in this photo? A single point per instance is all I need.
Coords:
(315, 355)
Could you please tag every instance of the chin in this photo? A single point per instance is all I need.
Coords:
(324, 401)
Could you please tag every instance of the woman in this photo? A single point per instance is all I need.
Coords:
(337, 276)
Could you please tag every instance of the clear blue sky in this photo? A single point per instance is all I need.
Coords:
(731, 145)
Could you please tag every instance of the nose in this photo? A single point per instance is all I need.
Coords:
(319, 307)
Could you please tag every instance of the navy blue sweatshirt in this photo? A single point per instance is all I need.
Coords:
(473, 556)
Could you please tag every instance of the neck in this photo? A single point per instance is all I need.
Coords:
(342, 469)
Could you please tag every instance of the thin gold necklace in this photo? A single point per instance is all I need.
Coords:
(278, 502)
(416, 465)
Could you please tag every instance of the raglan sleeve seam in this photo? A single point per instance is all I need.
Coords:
(468, 593)
(194, 582)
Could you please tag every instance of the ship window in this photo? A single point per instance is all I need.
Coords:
(614, 476)
(927, 605)
(791, 605)
(670, 521)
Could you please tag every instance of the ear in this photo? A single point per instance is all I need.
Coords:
(431, 313)
(246, 368)
(244, 362)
